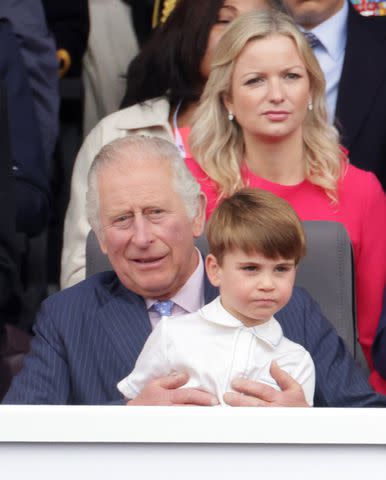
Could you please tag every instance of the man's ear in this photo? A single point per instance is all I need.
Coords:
(213, 270)
(199, 219)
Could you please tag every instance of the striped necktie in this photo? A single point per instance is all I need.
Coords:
(312, 39)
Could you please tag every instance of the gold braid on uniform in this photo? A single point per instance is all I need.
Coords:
(167, 8)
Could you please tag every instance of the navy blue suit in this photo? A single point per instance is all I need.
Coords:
(379, 345)
(88, 338)
(28, 162)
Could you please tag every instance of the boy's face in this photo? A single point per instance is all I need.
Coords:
(252, 287)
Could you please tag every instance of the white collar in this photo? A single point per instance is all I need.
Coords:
(332, 33)
(270, 331)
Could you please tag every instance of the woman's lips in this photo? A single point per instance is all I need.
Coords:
(276, 116)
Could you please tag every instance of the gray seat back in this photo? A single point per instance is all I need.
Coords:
(96, 260)
(326, 273)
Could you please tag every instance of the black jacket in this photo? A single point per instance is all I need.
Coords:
(361, 103)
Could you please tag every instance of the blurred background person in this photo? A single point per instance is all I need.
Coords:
(69, 24)
(349, 48)
(13, 341)
(29, 167)
(111, 46)
(37, 48)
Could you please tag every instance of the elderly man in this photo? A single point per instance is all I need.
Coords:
(146, 210)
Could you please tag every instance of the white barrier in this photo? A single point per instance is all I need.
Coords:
(167, 443)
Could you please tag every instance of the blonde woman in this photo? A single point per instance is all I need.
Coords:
(262, 122)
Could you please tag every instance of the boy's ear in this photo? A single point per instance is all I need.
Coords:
(213, 270)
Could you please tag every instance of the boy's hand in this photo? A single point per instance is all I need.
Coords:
(167, 391)
(255, 394)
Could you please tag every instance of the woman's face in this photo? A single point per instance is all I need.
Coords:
(228, 12)
(270, 89)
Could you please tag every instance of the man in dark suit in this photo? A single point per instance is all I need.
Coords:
(146, 210)
(379, 345)
(28, 164)
(12, 343)
(37, 48)
(350, 51)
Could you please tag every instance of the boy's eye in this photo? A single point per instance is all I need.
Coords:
(284, 268)
(249, 268)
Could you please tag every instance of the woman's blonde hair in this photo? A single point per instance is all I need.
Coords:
(217, 144)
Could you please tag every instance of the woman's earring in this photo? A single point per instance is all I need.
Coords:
(230, 116)
(310, 105)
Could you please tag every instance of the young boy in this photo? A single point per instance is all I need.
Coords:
(255, 243)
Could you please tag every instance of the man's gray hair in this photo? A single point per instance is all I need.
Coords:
(139, 147)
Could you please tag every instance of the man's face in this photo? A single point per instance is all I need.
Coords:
(310, 13)
(145, 230)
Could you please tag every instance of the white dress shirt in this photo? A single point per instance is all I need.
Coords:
(214, 348)
(332, 34)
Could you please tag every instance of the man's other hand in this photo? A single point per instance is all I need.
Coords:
(167, 391)
(255, 394)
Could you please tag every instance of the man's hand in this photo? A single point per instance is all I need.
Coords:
(255, 394)
(167, 391)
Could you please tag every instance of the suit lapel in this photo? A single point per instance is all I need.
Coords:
(123, 317)
(363, 72)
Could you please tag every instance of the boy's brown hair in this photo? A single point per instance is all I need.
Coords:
(254, 220)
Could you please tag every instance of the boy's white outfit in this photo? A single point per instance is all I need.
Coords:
(214, 348)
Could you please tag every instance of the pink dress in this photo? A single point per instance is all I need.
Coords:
(362, 210)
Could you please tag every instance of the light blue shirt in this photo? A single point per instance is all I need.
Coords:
(332, 34)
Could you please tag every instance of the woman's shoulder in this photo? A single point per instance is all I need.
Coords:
(360, 190)
(356, 181)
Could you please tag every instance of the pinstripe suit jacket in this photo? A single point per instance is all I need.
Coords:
(88, 337)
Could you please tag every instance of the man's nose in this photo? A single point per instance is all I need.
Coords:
(142, 232)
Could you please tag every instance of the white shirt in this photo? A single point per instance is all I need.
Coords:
(214, 348)
(332, 33)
